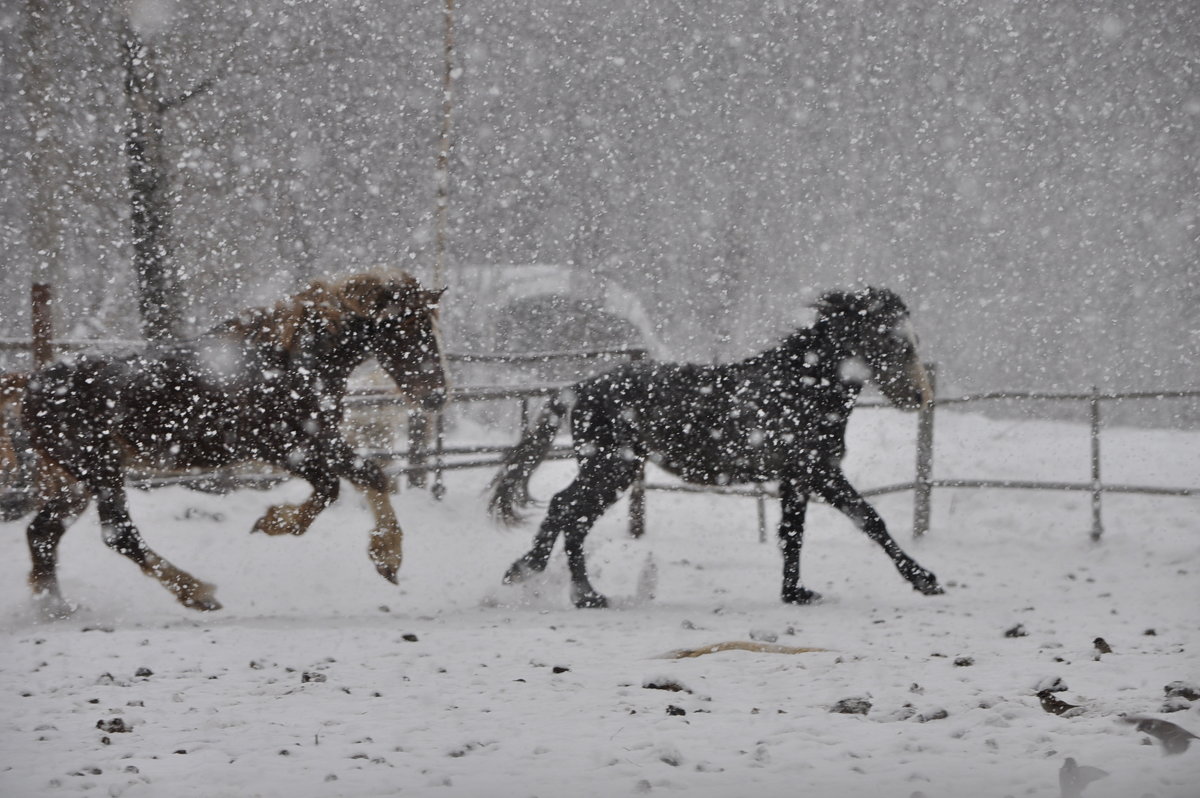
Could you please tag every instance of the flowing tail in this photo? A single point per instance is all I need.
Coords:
(510, 487)
(16, 464)
(11, 388)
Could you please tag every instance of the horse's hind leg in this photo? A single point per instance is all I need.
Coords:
(534, 561)
(122, 536)
(791, 539)
(43, 535)
(572, 512)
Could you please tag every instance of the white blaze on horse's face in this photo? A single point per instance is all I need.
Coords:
(917, 374)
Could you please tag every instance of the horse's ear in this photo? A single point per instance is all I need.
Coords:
(869, 301)
(883, 301)
(433, 298)
(361, 294)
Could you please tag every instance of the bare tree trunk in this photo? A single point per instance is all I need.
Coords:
(444, 144)
(150, 201)
(47, 177)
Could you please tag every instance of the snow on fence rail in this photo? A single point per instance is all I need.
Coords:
(420, 458)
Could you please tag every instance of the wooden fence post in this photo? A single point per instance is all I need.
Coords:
(439, 447)
(418, 447)
(923, 488)
(637, 493)
(1097, 487)
(43, 325)
(761, 501)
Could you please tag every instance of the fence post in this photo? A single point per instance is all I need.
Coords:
(43, 326)
(761, 501)
(637, 493)
(42, 317)
(418, 447)
(1097, 488)
(923, 488)
(439, 449)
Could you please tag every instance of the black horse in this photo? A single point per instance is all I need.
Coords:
(266, 386)
(780, 415)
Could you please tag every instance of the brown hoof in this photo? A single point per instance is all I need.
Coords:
(201, 598)
(282, 519)
(386, 553)
(387, 573)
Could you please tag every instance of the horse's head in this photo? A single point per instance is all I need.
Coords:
(401, 320)
(874, 325)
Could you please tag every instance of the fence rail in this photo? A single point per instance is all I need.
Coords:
(922, 484)
(420, 459)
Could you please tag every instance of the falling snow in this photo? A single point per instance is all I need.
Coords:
(689, 179)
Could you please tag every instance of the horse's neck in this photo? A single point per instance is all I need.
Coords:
(318, 352)
(808, 352)
(334, 358)
(812, 356)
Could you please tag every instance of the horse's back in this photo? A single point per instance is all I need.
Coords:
(714, 424)
(155, 407)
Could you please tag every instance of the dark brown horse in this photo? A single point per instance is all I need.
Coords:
(266, 386)
(780, 415)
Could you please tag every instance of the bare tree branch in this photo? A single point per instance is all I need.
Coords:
(203, 87)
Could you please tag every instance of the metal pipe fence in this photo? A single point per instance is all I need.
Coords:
(424, 458)
(416, 463)
(923, 482)
(922, 485)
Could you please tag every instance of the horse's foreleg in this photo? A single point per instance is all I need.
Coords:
(387, 539)
(295, 519)
(791, 539)
(835, 489)
(123, 537)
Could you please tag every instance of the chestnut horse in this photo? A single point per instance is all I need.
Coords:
(780, 415)
(266, 386)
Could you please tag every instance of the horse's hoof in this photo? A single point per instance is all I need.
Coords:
(801, 595)
(590, 600)
(52, 607)
(388, 572)
(518, 572)
(386, 557)
(926, 584)
(202, 604)
(201, 600)
(281, 519)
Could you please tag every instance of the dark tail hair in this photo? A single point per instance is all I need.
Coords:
(17, 466)
(11, 388)
(510, 487)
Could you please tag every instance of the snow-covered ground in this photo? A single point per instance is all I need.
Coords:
(320, 679)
